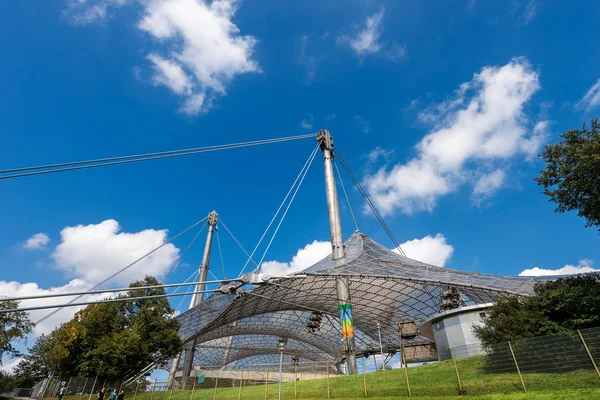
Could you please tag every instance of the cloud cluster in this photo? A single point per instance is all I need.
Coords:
(206, 49)
(583, 267)
(304, 258)
(8, 364)
(475, 136)
(89, 254)
(201, 49)
(307, 123)
(37, 242)
(85, 12)
(591, 98)
(432, 250)
(16, 289)
(307, 60)
(93, 252)
(367, 41)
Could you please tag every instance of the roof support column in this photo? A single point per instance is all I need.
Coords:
(338, 251)
(197, 298)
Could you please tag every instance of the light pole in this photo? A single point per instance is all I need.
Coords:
(281, 346)
(381, 347)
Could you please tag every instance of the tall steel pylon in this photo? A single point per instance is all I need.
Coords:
(338, 251)
(197, 298)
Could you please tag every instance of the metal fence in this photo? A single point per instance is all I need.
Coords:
(554, 362)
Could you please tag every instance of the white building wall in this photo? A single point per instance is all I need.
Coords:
(454, 330)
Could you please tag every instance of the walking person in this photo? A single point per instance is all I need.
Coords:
(113, 395)
(121, 395)
(61, 393)
(101, 394)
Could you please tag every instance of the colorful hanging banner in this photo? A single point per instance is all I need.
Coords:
(346, 320)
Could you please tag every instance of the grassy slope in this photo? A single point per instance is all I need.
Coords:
(426, 382)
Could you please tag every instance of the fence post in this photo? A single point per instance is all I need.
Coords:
(46, 385)
(67, 388)
(153, 387)
(364, 377)
(94, 385)
(193, 388)
(295, 381)
(403, 357)
(267, 384)
(241, 384)
(216, 384)
(137, 385)
(327, 366)
(460, 388)
(172, 385)
(588, 352)
(517, 365)
(83, 388)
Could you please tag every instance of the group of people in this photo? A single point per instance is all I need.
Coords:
(112, 396)
(99, 395)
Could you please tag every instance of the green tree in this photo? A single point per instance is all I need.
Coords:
(14, 326)
(7, 382)
(572, 174)
(562, 305)
(113, 339)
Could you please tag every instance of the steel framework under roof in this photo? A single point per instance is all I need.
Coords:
(241, 331)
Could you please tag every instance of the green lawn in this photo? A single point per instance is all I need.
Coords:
(433, 381)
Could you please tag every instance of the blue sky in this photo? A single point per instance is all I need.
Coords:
(439, 107)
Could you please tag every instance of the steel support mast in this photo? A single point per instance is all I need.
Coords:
(212, 220)
(197, 298)
(338, 251)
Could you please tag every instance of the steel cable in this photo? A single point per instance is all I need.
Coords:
(346, 195)
(288, 207)
(278, 210)
(125, 268)
(369, 202)
(102, 162)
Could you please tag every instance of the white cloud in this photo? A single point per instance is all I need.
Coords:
(583, 267)
(202, 49)
(307, 60)
(204, 42)
(91, 253)
(487, 185)
(591, 98)
(170, 74)
(307, 123)
(396, 52)
(431, 250)
(37, 241)
(476, 133)
(380, 153)
(530, 11)
(85, 12)
(304, 258)
(8, 364)
(367, 40)
(365, 126)
(16, 289)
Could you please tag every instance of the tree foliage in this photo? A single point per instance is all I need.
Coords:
(572, 174)
(113, 339)
(14, 326)
(562, 305)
